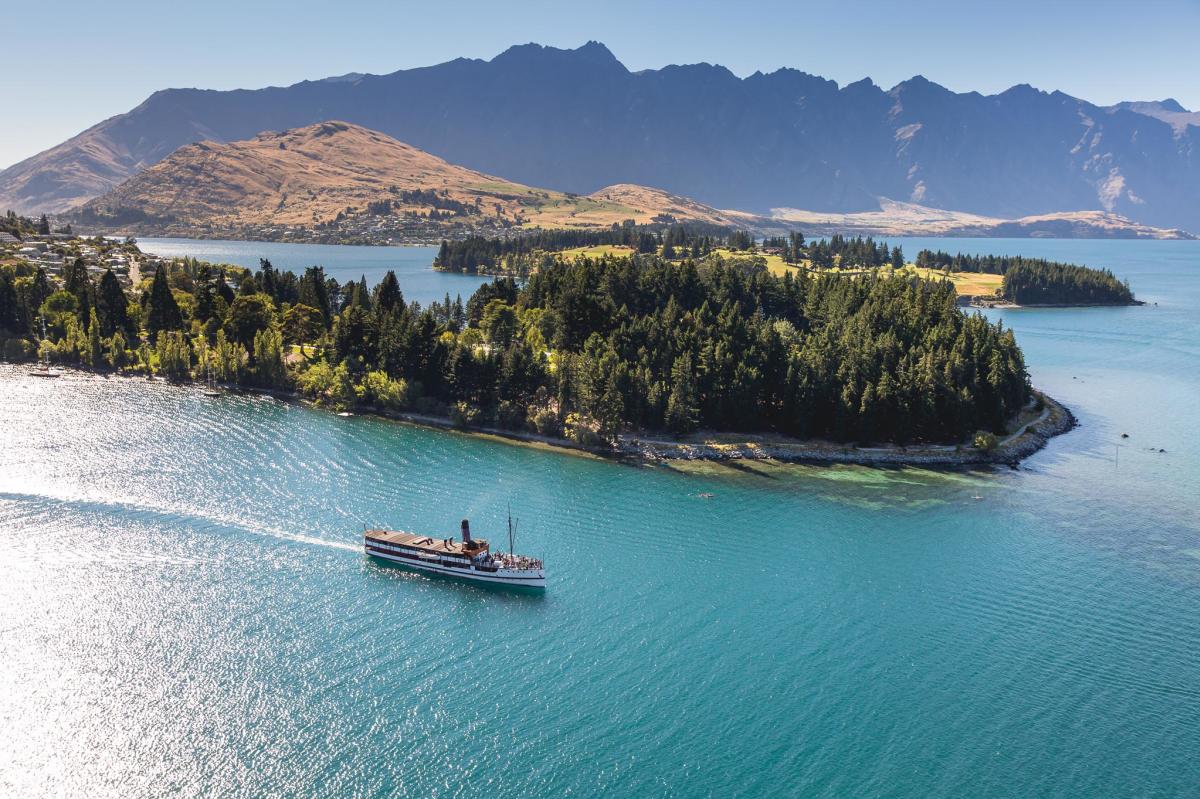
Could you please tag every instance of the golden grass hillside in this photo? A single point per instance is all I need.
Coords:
(310, 175)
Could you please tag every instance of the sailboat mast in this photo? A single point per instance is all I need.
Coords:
(510, 530)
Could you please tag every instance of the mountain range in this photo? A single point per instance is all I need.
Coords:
(578, 120)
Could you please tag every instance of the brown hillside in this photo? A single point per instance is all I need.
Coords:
(311, 175)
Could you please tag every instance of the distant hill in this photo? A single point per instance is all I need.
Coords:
(347, 178)
(578, 120)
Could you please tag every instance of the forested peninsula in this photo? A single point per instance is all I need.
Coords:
(591, 350)
(986, 279)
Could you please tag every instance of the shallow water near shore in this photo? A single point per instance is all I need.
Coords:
(185, 609)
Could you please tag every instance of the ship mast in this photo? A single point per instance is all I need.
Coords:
(510, 530)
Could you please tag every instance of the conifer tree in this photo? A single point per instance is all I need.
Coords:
(682, 405)
(387, 294)
(77, 282)
(10, 317)
(315, 292)
(221, 286)
(111, 305)
(162, 312)
(94, 356)
(268, 278)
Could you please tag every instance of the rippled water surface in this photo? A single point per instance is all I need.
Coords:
(342, 261)
(185, 609)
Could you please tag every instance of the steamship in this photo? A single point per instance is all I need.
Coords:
(469, 559)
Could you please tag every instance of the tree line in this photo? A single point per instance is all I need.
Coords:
(519, 254)
(23, 227)
(837, 250)
(585, 349)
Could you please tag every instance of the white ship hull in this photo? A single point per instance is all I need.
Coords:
(527, 578)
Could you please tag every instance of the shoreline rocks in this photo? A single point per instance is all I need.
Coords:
(1055, 420)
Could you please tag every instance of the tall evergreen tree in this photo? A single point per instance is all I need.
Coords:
(111, 305)
(268, 279)
(387, 293)
(314, 291)
(77, 282)
(10, 317)
(162, 312)
(205, 294)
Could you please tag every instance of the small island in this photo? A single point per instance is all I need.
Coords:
(728, 351)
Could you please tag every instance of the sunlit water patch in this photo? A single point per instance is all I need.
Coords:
(185, 609)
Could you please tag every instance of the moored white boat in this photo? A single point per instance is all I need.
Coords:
(43, 368)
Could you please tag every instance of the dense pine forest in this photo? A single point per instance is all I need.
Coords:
(1064, 284)
(586, 348)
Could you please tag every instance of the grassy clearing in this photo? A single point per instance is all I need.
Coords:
(580, 212)
(598, 251)
(775, 263)
(972, 283)
(515, 189)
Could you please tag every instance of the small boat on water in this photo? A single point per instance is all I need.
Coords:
(210, 385)
(43, 368)
(469, 559)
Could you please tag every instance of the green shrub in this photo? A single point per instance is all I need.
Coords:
(510, 415)
(545, 421)
(463, 414)
(15, 350)
(985, 441)
(584, 431)
(382, 391)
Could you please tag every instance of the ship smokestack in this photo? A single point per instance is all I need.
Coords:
(466, 531)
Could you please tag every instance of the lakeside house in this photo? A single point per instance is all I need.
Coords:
(53, 257)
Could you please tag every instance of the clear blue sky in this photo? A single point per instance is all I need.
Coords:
(67, 65)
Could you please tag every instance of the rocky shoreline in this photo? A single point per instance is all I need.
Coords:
(1055, 419)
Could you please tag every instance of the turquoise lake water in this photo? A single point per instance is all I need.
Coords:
(185, 609)
(341, 261)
